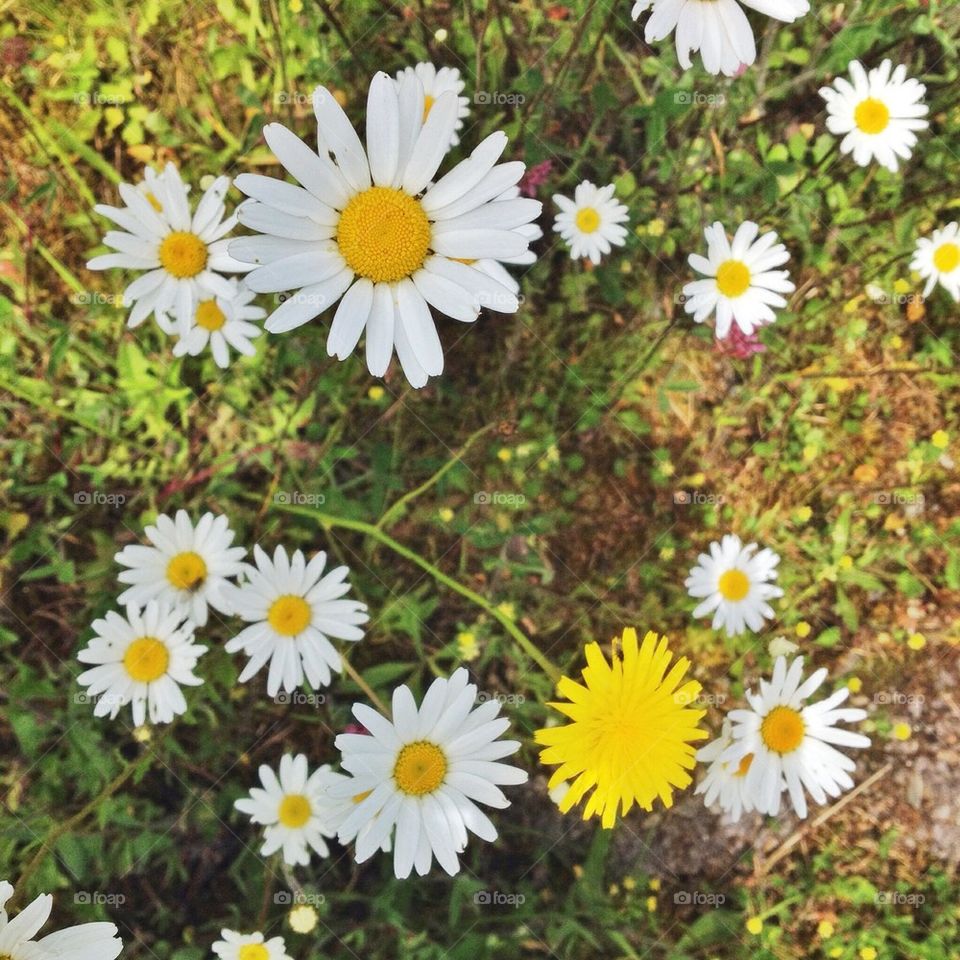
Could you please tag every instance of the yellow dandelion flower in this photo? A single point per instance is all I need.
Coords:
(854, 684)
(629, 739)
(754, 926)
(802, 629)
(825, 929)
(376, 393)
(941, 439)
(916, 641)
(902, 731)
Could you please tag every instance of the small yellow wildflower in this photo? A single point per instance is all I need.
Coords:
(656, 227)
(916, 641)
(809, 452)
(802, 514)
(836, 952)
(654, 884)
(754, 926)
(504, 454)
(868, 953)
(940, 439)
(302, 918)
(508, 610)
(629, 883)
(446, 514)
(467, 646)
(845, 562)
(902, 731)
(376, 393)
(651, 904)
(901, 286)
(854, 684)
(802, 629)
(825, 929)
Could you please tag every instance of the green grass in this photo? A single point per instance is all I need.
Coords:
(591, 409)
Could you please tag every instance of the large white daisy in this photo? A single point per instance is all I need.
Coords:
(435, 84)
(296, 809)
(877, 113)
(221, 323)
(937, 259)
(592, 221)
(142, 659)
(294, 609)
(249, 946)
(186, 567)
(86, 941)
(741, 286)
(792, 741)
(181, 254)
(366, 227)
(423, 774)
(718, 29)
(735, 584)
(725, 784)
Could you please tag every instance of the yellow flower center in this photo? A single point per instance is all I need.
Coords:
(253, 951)
(782, 729)
(744, 765)
(383, 234)
(289, 615)
(154, 202)
(871, 116)
(294, 810)
(733, 585)
(733, 278)
(946, 258)
(183, 254)
(428, 103)
(187, 570)
(210, 316)
(587, 220)
(420, 768)
(146, 659)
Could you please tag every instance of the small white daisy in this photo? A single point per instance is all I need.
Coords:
(591, 221)
(186, 567)
(142, 659)
(725, 784)
(876, 114)
(423, 774)
(367, 228)
(937, 258)
(249, 946)
(294, 609)
(181, 254)
(223, 322)
(86, 941)
(296, 809)
(718, 29)
(792, 742)
(742, 286)
(435, 84)
(735, 584)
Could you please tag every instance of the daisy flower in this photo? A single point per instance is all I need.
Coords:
(591, 221)
(792, 741)
(718, 29)
(222, 322)
(142, 659)
(741, 286)
(249, 946)
(630, 731)
(186, 567)
(181, 254)
(435, 84)
(295, 808)
(423, 773)
(294, 608)
(725, 784)
(937, 258)
(734, 583)
(86, 941)
(877, 113)
(368, 229)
